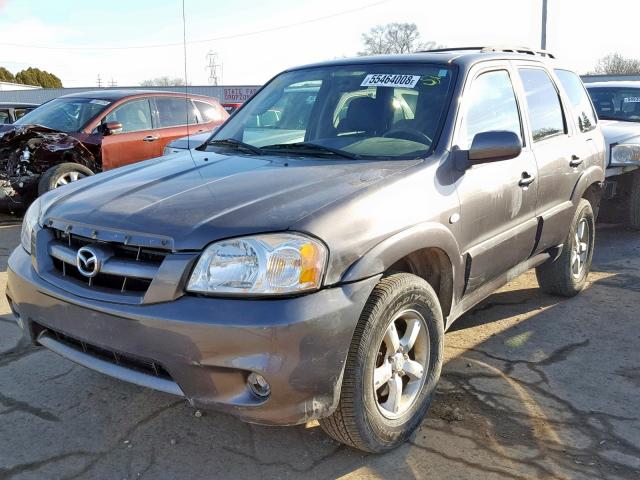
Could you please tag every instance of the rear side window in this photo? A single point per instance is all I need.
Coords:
(172, 111)
(134, 116)
(4, 117)
(582, 108)
(490, 104)
(208, 112)
(545, 109)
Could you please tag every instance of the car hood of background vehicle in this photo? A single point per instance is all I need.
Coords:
(212, 196)
(616, 131)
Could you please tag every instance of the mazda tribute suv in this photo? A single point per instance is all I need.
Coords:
(305, 262)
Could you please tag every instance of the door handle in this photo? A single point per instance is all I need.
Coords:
(526, 179)
(150, 138)
(575, 161)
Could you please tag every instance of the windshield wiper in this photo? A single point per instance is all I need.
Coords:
(237, 144)
(311, 148)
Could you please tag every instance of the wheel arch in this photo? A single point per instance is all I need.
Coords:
(428, 250)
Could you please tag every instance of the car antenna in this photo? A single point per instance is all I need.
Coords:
(186, 83)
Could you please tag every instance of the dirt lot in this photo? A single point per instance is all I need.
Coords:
(534, 387)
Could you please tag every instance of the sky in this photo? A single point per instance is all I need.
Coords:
(131, 41)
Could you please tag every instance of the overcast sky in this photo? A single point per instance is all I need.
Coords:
(80, 36)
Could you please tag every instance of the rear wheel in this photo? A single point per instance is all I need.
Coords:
(633, 212)
(392, 368)
(62, 174)
(567, 275)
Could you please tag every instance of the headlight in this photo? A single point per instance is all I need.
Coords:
(269, 264)
(29, 222)
(625, 154)
(169, 150)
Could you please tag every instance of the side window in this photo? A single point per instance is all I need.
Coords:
(490, 104)
(208, 112)
(21, 112)
(543, 102)
(134, 116)
(582, 108)
(4, 117)
(172, 111)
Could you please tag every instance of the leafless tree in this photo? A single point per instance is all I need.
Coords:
(163, 82)
(394, 38)
(616, 64)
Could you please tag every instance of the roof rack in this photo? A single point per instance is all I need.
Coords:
(497, 48)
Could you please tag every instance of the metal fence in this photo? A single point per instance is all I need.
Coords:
(224, 93)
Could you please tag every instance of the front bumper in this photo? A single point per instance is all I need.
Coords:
(208, 346)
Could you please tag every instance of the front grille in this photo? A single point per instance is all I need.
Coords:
(131, 362)
(128, 270)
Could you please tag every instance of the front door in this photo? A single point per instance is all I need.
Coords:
(138, 139)
(497, 200)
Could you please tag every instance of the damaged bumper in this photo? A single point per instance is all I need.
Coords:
(203, 348)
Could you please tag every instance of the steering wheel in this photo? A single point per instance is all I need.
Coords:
(408, 134)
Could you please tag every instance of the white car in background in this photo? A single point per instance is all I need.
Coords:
(618, 106)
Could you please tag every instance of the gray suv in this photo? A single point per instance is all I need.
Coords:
(305, 262)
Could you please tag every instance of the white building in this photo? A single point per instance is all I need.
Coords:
(16, 86)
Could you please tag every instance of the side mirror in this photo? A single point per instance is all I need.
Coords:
(111, 128)
(494, 146)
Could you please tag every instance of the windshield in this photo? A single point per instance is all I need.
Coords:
(616, 103)
(381, 111)
(65, 114)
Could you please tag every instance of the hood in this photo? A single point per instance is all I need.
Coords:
(194, 200)
(616, 131)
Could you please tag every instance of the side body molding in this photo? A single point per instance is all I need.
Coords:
(401, 244)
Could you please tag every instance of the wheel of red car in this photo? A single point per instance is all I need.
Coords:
(392, 367)
(62, 174)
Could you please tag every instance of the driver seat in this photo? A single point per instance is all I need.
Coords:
(363, 115)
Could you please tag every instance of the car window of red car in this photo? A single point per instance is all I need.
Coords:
(172, 111)
(134, 116)
(208, 112)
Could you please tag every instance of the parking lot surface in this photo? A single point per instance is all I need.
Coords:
(534, 386)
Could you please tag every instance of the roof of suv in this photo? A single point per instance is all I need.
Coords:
(463, 56)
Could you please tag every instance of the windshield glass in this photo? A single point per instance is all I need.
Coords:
(381, 111)
(65, 114)
(616, 103)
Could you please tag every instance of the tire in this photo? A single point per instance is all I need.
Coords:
(561, 277)
(359, 420)
(53, 177)
(633, 212)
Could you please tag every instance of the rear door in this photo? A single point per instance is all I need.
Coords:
(172, 116)
(559, 150)
(498, 199)
(137, 141)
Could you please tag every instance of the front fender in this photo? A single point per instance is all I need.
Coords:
(425, 235)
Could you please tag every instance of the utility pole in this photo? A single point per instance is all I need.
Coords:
(99, 81)
(543, 39)
(214, 65)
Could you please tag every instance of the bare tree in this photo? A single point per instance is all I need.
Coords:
(616, 64)
(394, 38)
(163, 82)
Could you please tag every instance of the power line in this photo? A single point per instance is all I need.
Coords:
(205, 40)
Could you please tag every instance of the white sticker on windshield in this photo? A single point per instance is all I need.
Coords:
(631, 100)
(390, 80)
(99, 102)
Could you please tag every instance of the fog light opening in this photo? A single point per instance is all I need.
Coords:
(258, 385)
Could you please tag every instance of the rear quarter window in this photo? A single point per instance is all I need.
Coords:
(173, 111)
(582, 109)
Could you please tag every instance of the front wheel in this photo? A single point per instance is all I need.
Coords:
(567, 275)
(62, 174)
(392, 368)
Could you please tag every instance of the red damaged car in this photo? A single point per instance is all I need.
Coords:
(84, 133)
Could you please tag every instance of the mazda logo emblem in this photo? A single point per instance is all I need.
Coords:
(88, 262)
